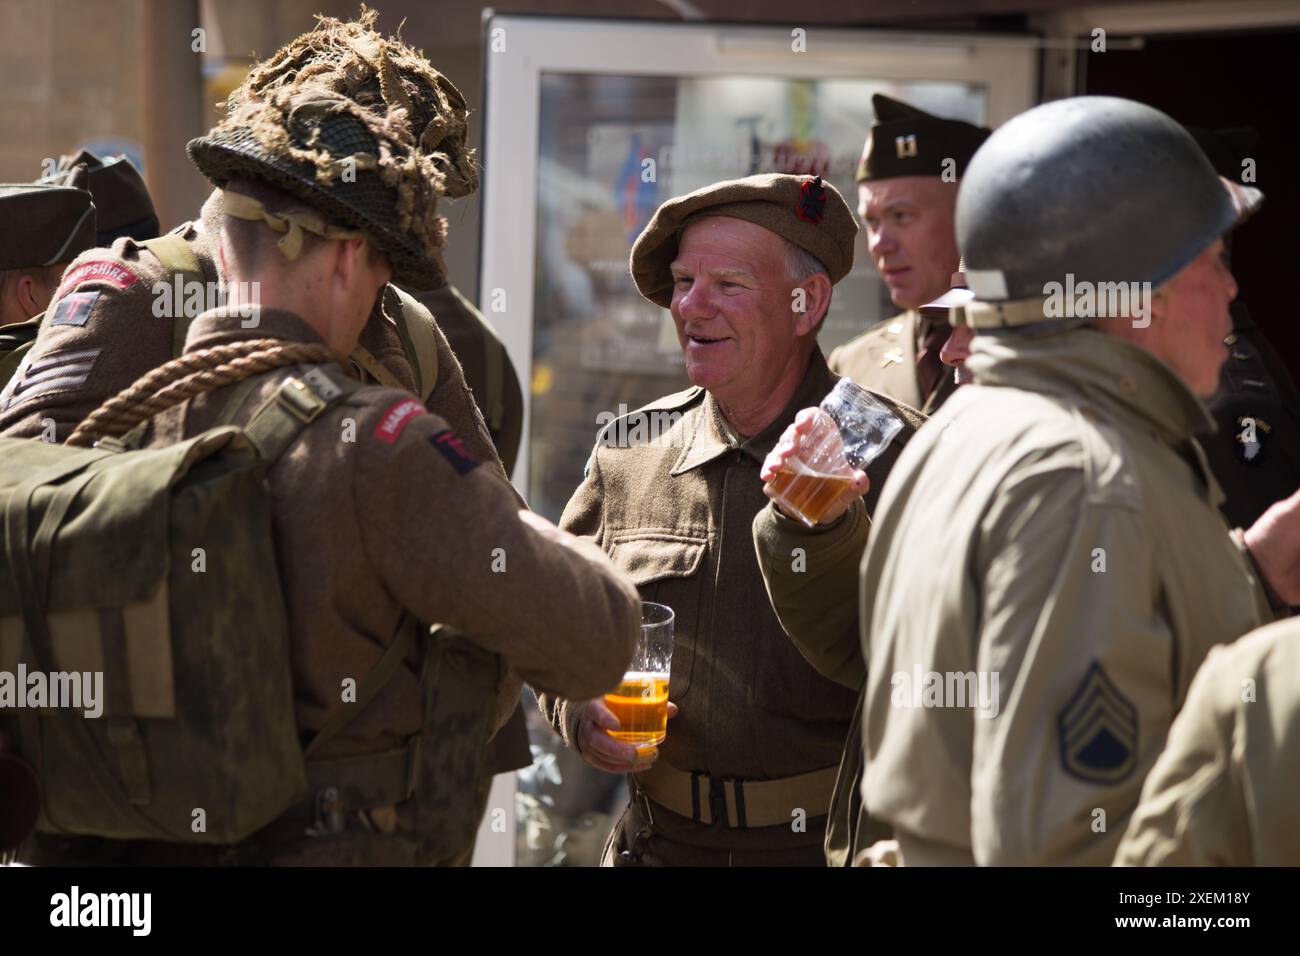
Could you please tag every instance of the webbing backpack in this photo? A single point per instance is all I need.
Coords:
(156, 568)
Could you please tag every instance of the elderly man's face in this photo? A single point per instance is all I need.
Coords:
(733, 307)
(909, 223)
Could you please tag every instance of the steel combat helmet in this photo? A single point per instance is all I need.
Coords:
(359, 126)
(1105, 189)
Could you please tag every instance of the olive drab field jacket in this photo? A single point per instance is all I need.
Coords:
(1049, 549)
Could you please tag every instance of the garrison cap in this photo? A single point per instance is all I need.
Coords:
(44, 224)
(906, 141)
(804, 210)
(123, 206)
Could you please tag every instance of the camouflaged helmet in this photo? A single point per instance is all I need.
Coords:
(359, 126)
(1105, 189)
(382, 75)
(324, 150)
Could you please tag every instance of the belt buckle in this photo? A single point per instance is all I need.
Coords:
(718, 801)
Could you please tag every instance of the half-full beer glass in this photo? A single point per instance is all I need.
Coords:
(851, 429)
(640, 702)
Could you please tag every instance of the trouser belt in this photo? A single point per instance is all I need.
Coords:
(742, 803)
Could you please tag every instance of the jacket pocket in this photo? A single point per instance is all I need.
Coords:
(667, 568)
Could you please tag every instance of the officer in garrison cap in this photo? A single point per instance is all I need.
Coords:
(907, 188)
(123, 206)
(383, 521)
(123, 311)
(1062, 513)
(45, 228)
(1254, 451)
(755, 734)
(1223, 791)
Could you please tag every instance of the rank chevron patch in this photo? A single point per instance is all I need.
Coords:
(1098, 730)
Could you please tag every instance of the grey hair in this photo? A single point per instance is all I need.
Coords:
(801, 264)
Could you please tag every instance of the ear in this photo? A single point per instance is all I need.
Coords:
(30, 296)
(814, 295)
(223, 268)
(349, 258)
(1159, 303)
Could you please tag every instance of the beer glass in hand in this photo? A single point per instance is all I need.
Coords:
(640, 702)
(815, 471)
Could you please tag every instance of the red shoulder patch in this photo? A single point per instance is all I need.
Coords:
(99, 270)
(396, 418)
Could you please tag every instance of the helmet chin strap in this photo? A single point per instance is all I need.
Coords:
(291, 224)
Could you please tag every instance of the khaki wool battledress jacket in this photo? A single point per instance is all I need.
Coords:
(386, 523)
(1049, 547)
(110, 322)
(816, 601)
(676, 517)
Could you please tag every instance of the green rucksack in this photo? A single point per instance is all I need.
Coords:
(156, 568)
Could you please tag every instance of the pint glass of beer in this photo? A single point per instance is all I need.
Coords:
(851, 429)
(640, 702)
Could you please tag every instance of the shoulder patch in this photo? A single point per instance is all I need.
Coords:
(74, 309)
(453, 449)
(1249, 439)
(396, 417)
(1098, 730)
(98, 270)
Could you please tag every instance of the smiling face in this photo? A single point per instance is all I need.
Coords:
(909, 223)
(733, 308)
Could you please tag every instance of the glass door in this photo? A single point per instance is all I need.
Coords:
(590, 125)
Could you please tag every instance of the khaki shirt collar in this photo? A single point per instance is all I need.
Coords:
(712, 436)
(1086, 363)
(225, 325)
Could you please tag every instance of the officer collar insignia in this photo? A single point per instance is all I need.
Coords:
(812, 201)
(1098, 730)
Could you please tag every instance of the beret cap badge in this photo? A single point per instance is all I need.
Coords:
(812, 201)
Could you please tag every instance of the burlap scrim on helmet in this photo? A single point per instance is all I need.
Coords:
(383, 76)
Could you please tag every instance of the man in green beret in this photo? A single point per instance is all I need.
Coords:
(46, 227)
(907, 190)
(746, 773)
